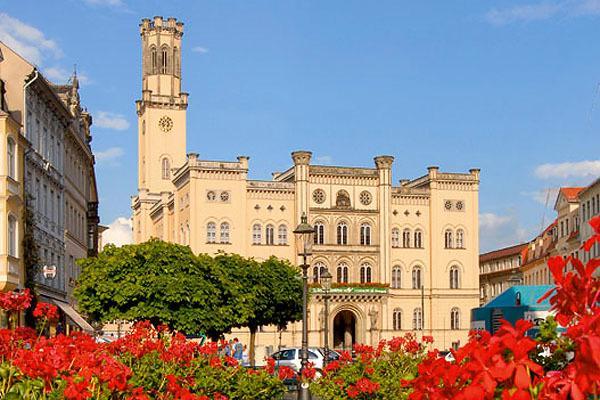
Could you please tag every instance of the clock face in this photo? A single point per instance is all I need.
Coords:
(165, 124)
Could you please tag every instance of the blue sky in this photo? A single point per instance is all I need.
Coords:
(508, 87)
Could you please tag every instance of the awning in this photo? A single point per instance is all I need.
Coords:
(74, 315)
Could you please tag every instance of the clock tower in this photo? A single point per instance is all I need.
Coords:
(161, 110)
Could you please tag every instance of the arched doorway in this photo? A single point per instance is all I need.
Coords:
(344, 330)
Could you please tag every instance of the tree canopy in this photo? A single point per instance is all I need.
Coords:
(167, 283)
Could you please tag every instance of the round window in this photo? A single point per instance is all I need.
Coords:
(319, 196)
(366, 198)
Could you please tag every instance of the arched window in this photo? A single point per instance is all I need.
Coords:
(342, 233)
(282, 234)
(454, 277)
(342, 273)
(318, 270)
(406, 238)
(460, 239)
(270, 234)
(416, 278)
(187, 233)
(397, 319)
(256, 234)
(365, 273)
(455, 319)
(319, 233)
(396, 277)
(12, 236)
(365, 234)
(418, 239)
(153, 60)
(211, 232)
(342, 199)
(166, 168)
(448, 239)
(395, 237)
(417, 319)
(224, 232)
(176, 65)
(164, 60)
(11, 158)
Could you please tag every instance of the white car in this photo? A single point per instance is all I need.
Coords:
(290, 357)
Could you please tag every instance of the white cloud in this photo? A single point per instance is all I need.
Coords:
(543, 10)
(108, 120)
(498, 231)
(119, 232)
(200, 49)
(580, 169)
(62, 75)
(109, 156)
(27, 40)
(525, 12)
(324, 160)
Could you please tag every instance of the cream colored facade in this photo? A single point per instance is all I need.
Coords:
(499, 270)
(589, 200)
(386, 240)
(57, 174)
(12, 148)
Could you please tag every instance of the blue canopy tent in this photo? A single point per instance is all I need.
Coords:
(516, 302)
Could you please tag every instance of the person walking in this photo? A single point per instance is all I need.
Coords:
(238, 350)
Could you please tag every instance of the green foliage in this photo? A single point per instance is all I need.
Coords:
(166, 283)
(555, 351)
(272, 293)
(385, 367)
(158, 281)
(31, 259)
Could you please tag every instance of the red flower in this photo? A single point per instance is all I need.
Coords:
(286, 373)
(15, 300)
(47, 311)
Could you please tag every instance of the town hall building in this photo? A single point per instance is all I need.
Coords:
(404, 258)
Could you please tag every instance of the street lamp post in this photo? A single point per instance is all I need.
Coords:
(326, 285)
(304, 241)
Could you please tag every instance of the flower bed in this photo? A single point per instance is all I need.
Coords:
(157, 364)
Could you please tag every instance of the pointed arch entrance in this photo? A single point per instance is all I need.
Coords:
(344, 330)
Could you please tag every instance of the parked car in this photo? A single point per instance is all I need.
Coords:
(447, 355)
(290, 357)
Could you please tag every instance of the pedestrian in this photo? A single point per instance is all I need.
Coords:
(238, 350)
(228, 348)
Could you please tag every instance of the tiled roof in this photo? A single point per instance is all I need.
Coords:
(571, 193)
(501, 253)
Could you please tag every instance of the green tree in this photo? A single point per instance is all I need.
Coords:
(274, 292)
(31, 259)
(161, 282)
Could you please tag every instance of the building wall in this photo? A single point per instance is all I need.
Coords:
(11, 203)
(202, 198)
(59, 176)
(589, 200)
(498, 274)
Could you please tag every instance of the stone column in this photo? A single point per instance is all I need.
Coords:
(384, 168)
(301, 160)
